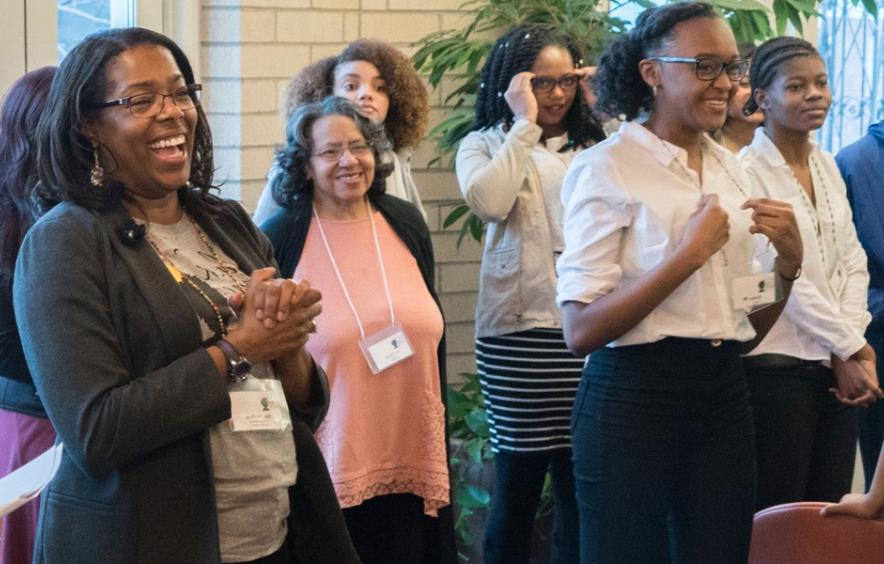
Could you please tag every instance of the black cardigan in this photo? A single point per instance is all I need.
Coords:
(287, 230)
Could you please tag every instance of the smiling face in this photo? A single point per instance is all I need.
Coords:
(684, 100)
(361, 83)
(799, 96)
(151, 156)
(552, 106)
(341, 184)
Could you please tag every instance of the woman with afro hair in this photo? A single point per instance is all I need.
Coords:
(382, 82)
(662, 282)
(531, 119)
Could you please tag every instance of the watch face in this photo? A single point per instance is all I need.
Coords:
(241, 368)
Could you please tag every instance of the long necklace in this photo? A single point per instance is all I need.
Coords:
(178, 275)
(221, 264)
(813, 211)
(704, 148)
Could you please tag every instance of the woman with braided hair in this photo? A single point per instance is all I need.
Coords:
(531, 119)
(662, 265)
(815, 365)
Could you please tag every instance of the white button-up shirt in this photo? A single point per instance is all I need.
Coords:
(627, 202)
(827, 310)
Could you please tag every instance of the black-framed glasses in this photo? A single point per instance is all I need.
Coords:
(334, 152)
(150, 104)
(709, 68)
(546, 83)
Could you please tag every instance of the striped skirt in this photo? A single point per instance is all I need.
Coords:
(529, 381)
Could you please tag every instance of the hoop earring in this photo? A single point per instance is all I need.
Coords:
(96, 174)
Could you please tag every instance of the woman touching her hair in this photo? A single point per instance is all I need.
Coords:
(386, 88)
(531, 119)
(659, 280)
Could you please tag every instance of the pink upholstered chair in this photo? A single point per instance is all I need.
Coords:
(796, 533)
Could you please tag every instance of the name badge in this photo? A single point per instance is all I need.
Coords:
(259, 410)
(751, 292)
(386, 348)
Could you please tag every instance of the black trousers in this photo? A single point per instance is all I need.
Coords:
(805, 438)
(393, 529)
(664, 457)
(518, 484)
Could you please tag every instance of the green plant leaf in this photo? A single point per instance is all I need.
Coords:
(871, 7)
(472, 496)
(458, 212)
(477, 422)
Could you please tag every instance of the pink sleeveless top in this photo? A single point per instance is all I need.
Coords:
(384, 433)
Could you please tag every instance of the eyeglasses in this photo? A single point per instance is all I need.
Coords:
(334, 152)
(546, 83)
(150, 104)
(709, 68)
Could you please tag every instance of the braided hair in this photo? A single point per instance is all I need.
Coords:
(516, 52)
(767, 60)
(618, 84)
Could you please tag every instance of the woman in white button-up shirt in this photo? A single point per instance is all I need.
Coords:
(805, 437)
(531, 119)
(660, 264)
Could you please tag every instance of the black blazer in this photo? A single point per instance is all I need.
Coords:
(117, 357)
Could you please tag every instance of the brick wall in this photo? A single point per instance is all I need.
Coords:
(250, 50)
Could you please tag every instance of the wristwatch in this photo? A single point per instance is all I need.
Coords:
(238, 366)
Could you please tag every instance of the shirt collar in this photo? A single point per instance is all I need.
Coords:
(660, 149)
(764, 146)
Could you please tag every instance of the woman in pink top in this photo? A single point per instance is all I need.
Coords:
(380, 336)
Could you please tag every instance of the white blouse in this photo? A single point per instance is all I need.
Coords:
(627, 201)
(827, 310)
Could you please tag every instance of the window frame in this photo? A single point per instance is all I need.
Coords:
(32, 43)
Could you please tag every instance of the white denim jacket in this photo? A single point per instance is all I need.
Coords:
(501, 184)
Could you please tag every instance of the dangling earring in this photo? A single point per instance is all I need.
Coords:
(654, 90)
(96, 175)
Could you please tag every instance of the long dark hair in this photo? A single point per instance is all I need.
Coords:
(618, 84)
(516, 52)
(65, 152)
(19, 207)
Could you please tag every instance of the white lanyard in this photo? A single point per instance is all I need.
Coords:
(334, 264)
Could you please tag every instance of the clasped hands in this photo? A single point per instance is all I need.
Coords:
(276, 316)
(857, 378)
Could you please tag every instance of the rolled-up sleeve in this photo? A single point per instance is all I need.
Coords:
(597, 213)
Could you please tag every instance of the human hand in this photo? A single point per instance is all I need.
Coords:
(286, 309)
(707, 230)
(586, 74)
(856, 504)
(857, 378)
(520, 97)
(776, 220)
